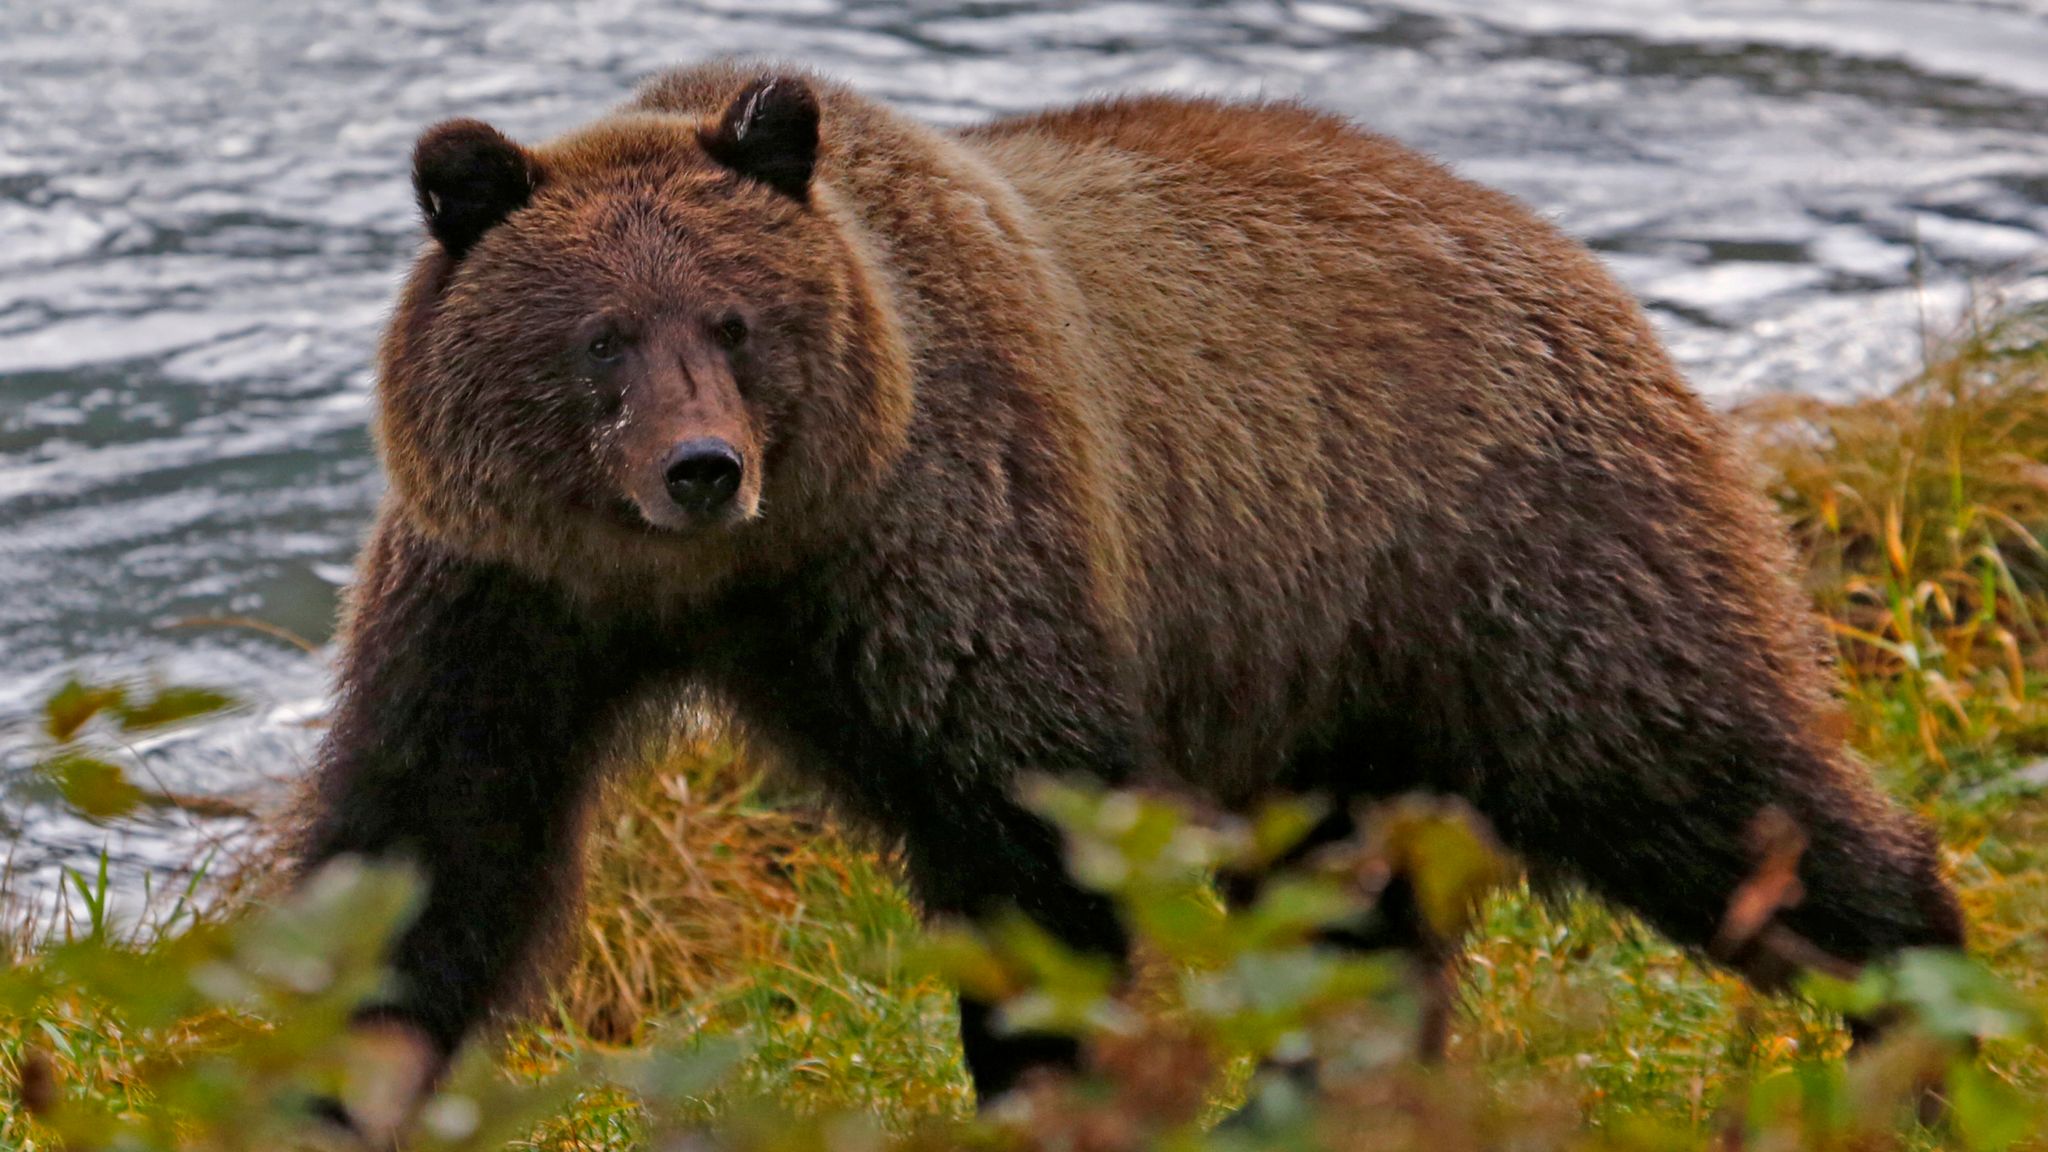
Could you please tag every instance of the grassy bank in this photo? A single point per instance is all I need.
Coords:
(721, 908)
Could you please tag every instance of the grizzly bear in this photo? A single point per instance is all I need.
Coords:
(1164, 441)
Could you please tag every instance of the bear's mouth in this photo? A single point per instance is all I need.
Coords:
(621, 513)
(626, 514)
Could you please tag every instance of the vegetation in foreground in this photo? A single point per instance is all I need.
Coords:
(743, 968)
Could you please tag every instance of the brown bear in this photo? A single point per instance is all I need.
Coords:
(1221, 445)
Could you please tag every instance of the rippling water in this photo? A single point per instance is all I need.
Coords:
(203, 213)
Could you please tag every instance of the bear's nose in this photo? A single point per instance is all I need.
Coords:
(702, 475)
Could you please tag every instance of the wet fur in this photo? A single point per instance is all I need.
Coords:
(1161, 440)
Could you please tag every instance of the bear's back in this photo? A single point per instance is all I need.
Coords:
(1326, 352)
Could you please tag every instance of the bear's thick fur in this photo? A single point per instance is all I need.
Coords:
(1155, 439)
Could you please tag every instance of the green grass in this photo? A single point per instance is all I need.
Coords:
(1566, 996)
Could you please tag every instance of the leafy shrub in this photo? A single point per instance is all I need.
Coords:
(248, 1017)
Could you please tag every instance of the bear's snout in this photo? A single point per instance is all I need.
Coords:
(702, 475)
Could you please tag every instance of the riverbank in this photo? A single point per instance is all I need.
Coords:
(721, 906)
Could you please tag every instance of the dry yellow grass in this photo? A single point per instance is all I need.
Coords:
(719, 906)
(691, 884)
(1920, 514)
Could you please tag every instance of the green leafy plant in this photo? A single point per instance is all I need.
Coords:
(247, 1022)
(254, 1015)
(83, 760)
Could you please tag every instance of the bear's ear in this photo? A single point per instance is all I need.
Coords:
(468, 178)
(769, 133)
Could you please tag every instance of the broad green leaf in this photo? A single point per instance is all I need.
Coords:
(1280, 826)
(100, 790)
(71, 707)
(1990, 1114)
(1958, 998)
(169, 704)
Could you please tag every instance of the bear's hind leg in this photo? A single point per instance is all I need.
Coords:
(1621, 678)
(1396, 923)
(1676, 834)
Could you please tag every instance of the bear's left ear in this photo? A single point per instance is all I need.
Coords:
(769, 133)
(468, 178)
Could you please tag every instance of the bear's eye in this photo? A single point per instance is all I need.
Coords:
(731, 332)
(605, 347)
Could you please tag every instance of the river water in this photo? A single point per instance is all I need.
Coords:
(204, 212)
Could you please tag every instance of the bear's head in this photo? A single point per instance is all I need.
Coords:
(657, 338)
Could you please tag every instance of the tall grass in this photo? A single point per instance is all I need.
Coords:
(714, 904)
(1920, 515)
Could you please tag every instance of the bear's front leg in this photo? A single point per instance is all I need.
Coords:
(472, 705)
(980, 854)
